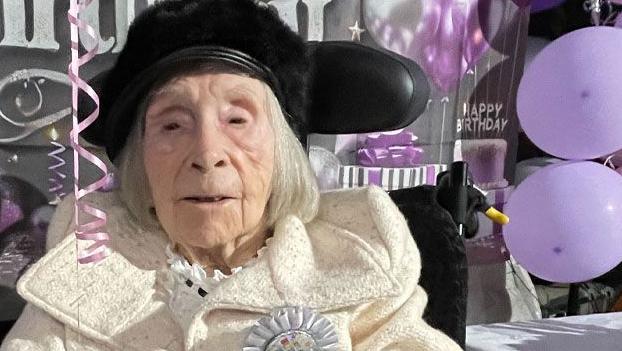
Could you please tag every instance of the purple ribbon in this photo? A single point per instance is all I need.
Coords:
(390, 150)
(384, 140)
(393, 156)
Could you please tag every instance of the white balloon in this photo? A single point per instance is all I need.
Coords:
(325, 165)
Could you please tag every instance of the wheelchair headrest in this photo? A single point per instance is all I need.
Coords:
(359, 89)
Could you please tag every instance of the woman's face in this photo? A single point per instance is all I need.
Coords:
(209, 156)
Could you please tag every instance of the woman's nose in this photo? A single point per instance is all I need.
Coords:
(210, 151)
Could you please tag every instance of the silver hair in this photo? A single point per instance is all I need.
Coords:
(294, 186)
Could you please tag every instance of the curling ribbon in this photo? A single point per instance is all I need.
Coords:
(93, 230)
(386, 139)
(392, 156)
(390, 150)
(56, 180)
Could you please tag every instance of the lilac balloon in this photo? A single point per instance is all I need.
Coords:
(568, 100)
(565, 222)
(443, 36)
(542, 5)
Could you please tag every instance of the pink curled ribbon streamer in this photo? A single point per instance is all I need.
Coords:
(56, 180)
(94, 230)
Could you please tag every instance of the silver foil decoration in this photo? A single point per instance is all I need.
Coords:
(28, 105)
(292, 329)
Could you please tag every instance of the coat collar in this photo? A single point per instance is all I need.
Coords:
(304, 265)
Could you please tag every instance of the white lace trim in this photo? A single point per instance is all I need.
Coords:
(196, 273)
(191, 284)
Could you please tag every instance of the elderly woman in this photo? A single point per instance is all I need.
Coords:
(220, 239)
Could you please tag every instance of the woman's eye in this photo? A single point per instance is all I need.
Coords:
(171, 126)
(237, 120)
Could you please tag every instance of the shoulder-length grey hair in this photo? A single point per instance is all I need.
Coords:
(294, 187)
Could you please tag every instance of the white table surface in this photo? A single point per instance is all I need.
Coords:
(595, 332)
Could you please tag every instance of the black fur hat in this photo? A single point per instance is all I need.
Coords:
(174, 36)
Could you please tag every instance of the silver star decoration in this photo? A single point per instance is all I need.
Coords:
(13, 159)
(356, 31)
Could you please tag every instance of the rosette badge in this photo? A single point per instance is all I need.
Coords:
(292, 329)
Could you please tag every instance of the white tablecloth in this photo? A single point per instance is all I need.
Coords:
(595, 332)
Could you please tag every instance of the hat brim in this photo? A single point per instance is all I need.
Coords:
(113, 126)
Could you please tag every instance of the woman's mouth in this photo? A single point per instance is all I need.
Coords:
(208, 199)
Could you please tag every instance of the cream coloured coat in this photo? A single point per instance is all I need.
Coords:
(356, 264)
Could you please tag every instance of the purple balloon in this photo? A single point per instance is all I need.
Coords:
(541, 5)
(443, 36)
(565, 222)
(568, 100)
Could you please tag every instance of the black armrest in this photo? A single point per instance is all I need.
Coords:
(444, 272)
(5, 326)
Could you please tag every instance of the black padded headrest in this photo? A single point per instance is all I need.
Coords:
(359, 89)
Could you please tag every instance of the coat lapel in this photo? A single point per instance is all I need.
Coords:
(320, 265)
(115, 301)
